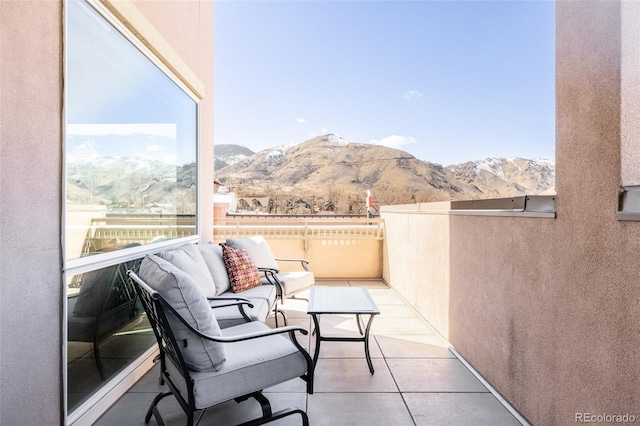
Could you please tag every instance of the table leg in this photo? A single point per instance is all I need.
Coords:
(366, 344)
(359, 321)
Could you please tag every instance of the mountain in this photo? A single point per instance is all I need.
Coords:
(227, 154)
(330, 167)
(118, 181)
(323, 171)
(506, 177)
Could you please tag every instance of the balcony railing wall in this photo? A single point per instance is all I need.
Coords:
(417, 258)
(336, 247)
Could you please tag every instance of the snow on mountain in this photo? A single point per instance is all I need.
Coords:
(274, 155)
(507, 176)
(329, 164)
(334, 140)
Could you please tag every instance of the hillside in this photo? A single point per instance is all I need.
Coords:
(330, 171)
(329, 167)
(227, 154)
(326, 164)
(117, 182)
(506, 177)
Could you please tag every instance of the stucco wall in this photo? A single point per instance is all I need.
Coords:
(31, 65)
(30, 204)
(548, 310)
(417, 258)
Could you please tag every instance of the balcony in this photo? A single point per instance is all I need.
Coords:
(418, 379)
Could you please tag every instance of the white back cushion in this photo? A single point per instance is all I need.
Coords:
(212, 255)
(257, 248)
(188, 259)
(187, 298)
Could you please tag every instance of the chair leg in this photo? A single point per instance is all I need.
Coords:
(264, 404)
(267, 414)
(277, 311)
(153, 409)
(155, 361)
(279, 415)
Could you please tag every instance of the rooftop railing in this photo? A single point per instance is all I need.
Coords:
(337, 246)
(324, 227)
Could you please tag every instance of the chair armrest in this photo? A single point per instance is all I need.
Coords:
(226, 339)
(271, 275)
(303, 262)
(240, 302)
(222, 302)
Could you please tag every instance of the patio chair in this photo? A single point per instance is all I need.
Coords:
(105, 304)
(288, 284)
(204, 366)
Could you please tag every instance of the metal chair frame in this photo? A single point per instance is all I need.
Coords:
(155, 306)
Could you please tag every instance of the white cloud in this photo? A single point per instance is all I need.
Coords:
(84, 151)
(394, 141)
(302, 121)
(168, 130)
(411, 94)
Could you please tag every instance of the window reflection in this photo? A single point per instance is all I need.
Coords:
(107, 328)
(130, 180)
(130, 143)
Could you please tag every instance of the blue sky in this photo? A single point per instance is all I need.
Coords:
(447, 81)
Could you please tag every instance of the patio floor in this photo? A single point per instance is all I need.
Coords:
(417, 380)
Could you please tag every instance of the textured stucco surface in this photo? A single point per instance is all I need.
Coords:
(417, 263)
(30, 200)
(31, 50)
(548, 310)
(630, 81)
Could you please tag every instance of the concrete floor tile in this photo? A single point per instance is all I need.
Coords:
(150, 382)
(233, 413)
(305, 323)
(329, 282)
(458, 409)
(339, 325)
(346, 409)
(370, 284)
(131, 409)
(400, 326)
(413, 346)
(352, 375)
(346, 349)
(385, 297)
(433, 375)
(437, 389)
(396, 311)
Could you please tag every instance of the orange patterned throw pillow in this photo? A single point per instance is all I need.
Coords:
(243, 274)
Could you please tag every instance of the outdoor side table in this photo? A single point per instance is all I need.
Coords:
(342, 300)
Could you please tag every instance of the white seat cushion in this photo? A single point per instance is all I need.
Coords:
(251, 365)
(265, 291)
(262, 297)
(229, 316)
(295, 282)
